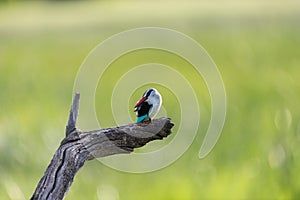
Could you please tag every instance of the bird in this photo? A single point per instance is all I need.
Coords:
(148, 106)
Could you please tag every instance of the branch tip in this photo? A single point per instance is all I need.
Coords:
(71, 126)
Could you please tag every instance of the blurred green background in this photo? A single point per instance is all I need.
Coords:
(255, 44)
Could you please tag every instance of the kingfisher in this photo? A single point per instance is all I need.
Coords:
(148, 106)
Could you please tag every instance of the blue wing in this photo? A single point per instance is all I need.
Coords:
(141, 118)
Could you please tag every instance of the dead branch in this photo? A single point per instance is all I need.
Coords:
(80, 146)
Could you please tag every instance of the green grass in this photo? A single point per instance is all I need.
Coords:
(257, 52)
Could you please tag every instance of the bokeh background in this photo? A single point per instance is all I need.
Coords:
(255, 44)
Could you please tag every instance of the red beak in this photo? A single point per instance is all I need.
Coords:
(140, 101)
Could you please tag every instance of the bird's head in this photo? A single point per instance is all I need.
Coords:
(151, 96)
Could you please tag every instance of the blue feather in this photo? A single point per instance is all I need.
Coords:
(141, 118)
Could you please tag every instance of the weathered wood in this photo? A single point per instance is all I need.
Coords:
(80, 146)
(71, 126)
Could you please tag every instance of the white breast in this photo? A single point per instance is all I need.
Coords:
(156, 102)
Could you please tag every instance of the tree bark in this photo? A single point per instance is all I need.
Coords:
(80, 146)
